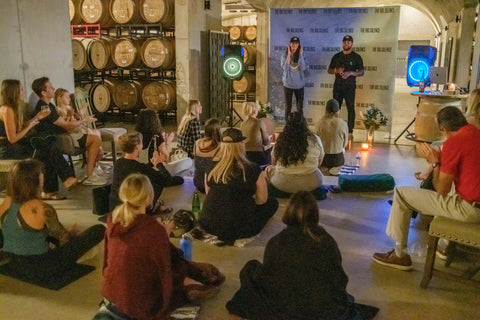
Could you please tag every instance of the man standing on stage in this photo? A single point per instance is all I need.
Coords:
(346, 65)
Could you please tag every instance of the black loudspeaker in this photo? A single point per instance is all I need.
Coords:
(420, 59)
(232, 62)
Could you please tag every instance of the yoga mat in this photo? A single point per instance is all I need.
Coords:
(56, 282)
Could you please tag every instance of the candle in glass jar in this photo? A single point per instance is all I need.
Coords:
(451, 87)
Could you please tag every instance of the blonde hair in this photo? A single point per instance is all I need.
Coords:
(135, 191)
(191, 113)
(249, 108)
(230, 154)
(473, 106)
(62, 111)
(129, 141)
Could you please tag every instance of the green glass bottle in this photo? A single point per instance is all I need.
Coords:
(196, 205)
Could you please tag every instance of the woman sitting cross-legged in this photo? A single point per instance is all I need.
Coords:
(154, 139)
(28, 223)
(296, 158)
(237, 203)
(205, 150)
(301, 276)
(144, 275)
(257, 136)
(131, 145)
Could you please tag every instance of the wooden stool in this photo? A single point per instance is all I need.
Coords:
(467, 234)
(112, 135)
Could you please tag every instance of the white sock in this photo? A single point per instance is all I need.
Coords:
(400, 250)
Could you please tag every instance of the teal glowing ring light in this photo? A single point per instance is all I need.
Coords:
(233, 67)
(417, 69)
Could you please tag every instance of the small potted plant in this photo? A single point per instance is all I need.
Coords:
(265, 110)
(373, 119)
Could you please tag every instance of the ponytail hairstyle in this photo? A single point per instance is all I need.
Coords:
(302, 210)
(135, 191)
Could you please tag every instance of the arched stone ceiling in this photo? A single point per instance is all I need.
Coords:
(434, 9)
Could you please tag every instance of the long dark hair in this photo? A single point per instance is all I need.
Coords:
(10, 96)
(148, 123)
(295, 55)
(292, 143)
(212, 133)
(302, 210)
(24, 180)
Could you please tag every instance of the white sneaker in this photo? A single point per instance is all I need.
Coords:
(95, 180)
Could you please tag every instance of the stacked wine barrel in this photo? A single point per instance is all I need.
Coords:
(153, 53)
(245, 36)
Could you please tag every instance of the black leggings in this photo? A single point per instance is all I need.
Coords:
(58, 260)
(299, 94)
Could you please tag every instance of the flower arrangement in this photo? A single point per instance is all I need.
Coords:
(265, 109)
(374, 118)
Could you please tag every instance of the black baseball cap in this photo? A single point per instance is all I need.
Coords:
(348, 38)
(295, 39)
(232, 135)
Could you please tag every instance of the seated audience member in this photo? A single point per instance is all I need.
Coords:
(16, 134)
(302, 258)
(28, 223)
(473, 108)
(82, 135)
(131, 145)
(256, 133)
(333, 132)
(144, 275)
(237, 204)
(296, 158)
(456, 163)
(154, 139)
(189, 128)
(205, 150)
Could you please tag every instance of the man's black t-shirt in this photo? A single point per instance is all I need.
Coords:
(46, 126)
(349, 62)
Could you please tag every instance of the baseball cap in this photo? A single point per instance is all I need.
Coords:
(332, 106)
(348, 38)
(232, 135)
(295, 39)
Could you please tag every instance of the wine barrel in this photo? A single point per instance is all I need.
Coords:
(249, 55)
(96, 11)
(99, 52)
(79, 54)
(236, 33)
(159, 96)
(74, 9)
(126, 53)
(125, 11)
(246, 84)
(155, 11)
(426, 127)
(127, 95)
(159, 53)
(101, 95)
(250, 33)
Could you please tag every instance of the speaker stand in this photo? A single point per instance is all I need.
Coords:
(231, 110)
(410, 135)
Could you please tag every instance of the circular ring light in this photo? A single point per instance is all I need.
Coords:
(418, 70)
(233, 67)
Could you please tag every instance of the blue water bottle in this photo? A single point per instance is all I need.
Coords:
(186, 247)
(357, 159)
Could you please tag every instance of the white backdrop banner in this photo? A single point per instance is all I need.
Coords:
(375, 35)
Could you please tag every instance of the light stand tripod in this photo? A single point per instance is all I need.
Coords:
(231, 110)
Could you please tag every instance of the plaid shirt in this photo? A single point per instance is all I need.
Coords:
(189, 136)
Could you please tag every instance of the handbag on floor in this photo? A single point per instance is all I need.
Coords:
(101, 201)
(366, 183)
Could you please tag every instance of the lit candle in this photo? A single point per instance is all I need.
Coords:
(451, 87)
(365, 146)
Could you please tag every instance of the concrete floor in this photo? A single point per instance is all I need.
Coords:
(356, 220)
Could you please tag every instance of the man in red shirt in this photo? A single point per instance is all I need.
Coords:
(457, 163)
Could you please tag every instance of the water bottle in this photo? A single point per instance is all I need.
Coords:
(357, 159)
(186, 247)
(196, 205)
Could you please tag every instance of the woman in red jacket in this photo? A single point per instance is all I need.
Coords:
(144, 276)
